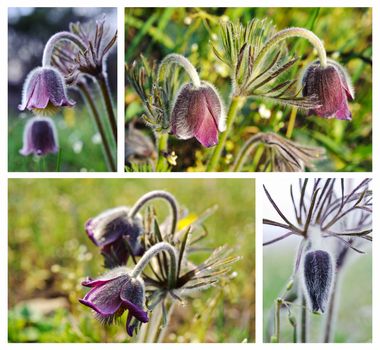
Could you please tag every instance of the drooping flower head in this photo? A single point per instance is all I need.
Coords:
(114, 293)
(40, 137)
(116, 234)
(332, 86)
(44, 91)
(318, 276)
(198, 112)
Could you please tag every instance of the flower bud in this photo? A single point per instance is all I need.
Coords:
(198, 112)
(44, 91)
(333, 88)
(318, 275)
(114, 293)
(116, 234)
(40, 137)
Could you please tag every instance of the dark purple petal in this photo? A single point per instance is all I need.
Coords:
(104, 298)
(40, 137)
(331, 86)
(136, 311)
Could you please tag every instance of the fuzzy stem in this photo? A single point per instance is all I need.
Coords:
(165, 327)
(331, 311)
(294, 32)
(303, 320)
(154, 327)
(106, 93)
(184, 63)
(231, 115)
(244, 152)
(151, 253)
(83, 88)
(162, 149)
(50, 45)
(158, 194)
(292, 121)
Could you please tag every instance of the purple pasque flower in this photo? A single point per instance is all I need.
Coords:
(333, 88)
(198, 112)
(116, 234)
(44, 91)
(40, 137)
(114, 293)
(318, 275)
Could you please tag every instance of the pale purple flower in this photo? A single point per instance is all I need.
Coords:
(44, 91)
(333, 88)
(40, 137)
(114, 293)
(198, 112)
(116, 234)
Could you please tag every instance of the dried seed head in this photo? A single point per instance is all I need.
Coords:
(40, 137)
(333, 88)
(199, 113)
(318, 275)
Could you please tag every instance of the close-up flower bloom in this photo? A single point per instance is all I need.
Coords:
(44, 91)
(114, 293)
(198, 112)
(40, 137)
(116, 234)
(332, 86)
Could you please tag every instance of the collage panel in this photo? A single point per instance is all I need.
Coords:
(248, 89)
(62, 82)
(155, 260)
(317, 260)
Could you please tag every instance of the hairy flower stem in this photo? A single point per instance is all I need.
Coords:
(291, 33)
(235, 105)
(303, 337)
(103, 83)
(86, 93)
(182, 62)
(331, 310)
(162, 149)
(151, 253)
(61, 36)
(158, 194)
(292, 121)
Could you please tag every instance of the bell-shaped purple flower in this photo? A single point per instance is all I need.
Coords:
(333, 88)
(117, 235)
(113, 294)
(44, 91)
(318, 276)
(198, 112)
(40, 137)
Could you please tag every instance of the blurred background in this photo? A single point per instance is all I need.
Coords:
(354, 319)
(50, 254)
(28, 31)
(347, 36)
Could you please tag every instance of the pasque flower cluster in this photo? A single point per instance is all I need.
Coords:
(130, 243)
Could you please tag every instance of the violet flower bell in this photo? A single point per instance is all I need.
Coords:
(117, 235)
(44, 92)
(333, 88)
(198, 112)
(40, 137)
(114, 293)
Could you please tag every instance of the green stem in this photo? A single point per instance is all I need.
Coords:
(231, 115)
(102, 81)
(294, 32)
(328, 334)
(303, 320)
(292, 121)
(162, 149)
(83, 88)
(278, 314)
